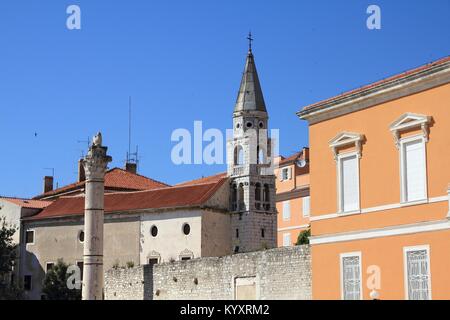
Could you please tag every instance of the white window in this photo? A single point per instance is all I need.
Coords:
(285, 174)
(286, 239)
(348, 166)
(286, 210)
(351, 284)
(413, 170)
(417, 273)
(305, 203)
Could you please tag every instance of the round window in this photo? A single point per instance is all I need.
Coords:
(238, 125)
(154, 231)
(261, 124)
(81, 236)
(249, 124)
(186, 229)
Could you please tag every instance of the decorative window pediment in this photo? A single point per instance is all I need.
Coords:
(410, 121)
(344, 139)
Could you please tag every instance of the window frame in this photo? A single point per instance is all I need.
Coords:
(290, 239)
(403, 177)
(405, 268)
(306, 215)
(341, 157)
(46, 265)
(286, 203)
(34, 237)
(341, 272)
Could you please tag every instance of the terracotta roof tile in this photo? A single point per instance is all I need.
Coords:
(117, 179)
(28, 203)
(208, 179)
(168, 197)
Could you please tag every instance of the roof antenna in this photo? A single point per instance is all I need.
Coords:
(129, 130)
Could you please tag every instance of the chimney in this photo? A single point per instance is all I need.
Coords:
(48, 184)
(81, 174)
(131, 167)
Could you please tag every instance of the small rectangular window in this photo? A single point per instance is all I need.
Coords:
(237, 233)
(185, 258)
(285, 174)
(351, 276)
(29, 237)
(27, 285)
(305, 208)
(414, 170)
(263, 233)
(49, 266)
(286, 239)
(153, 261)
(286, 210)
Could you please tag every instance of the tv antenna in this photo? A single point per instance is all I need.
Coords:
(53, 171)
(87, 141)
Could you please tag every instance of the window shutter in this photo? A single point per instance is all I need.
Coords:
(286, 210)
(351, 278)
(349, 181)
(280, 174)
(290, 173)
(305, 202)
(418, 275)
(414, 170)
(286, 239)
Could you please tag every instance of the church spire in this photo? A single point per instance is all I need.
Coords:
(250, 97)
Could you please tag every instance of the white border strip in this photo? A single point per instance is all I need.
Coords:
(382, 232)
(303, 226)
(379, 208)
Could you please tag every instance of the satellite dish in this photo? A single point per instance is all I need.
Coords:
(301, 163)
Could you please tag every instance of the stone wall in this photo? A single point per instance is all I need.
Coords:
(281, 273)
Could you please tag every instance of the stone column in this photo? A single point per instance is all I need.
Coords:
(94, 164)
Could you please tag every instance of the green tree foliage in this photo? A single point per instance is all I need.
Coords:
(55, 284)
(8, 290)
(303, 237)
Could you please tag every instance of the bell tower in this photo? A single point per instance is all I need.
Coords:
(250, 167)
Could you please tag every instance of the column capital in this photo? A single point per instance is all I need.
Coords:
(96, 161)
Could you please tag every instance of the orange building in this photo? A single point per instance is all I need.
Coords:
(292, 197)
(380, 195)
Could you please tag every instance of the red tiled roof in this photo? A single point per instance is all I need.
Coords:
(209, 179)
(381, 82)
(117, 179)
(290, 159)
(168, 197)
(28, 203)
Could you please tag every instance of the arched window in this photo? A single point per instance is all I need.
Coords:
(238, 156)
(258, 192)
(241, 196)
(266, 196)
(261, 155)
(266, 193)
(234, 197)
(258, 196)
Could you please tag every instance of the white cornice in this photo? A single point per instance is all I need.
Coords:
(382, 232)
(392, 89)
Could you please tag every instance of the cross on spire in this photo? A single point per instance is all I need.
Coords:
(250, 40)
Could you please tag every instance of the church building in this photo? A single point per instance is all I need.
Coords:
(149, 222)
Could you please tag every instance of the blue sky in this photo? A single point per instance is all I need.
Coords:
(182, 61)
